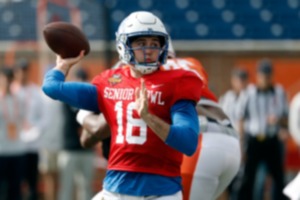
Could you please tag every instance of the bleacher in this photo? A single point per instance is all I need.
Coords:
(185, 20)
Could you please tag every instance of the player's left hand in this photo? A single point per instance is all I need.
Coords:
(141, 100)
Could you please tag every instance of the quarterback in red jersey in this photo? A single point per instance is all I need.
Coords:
(151, 112)
(205, 175)
(117, 94)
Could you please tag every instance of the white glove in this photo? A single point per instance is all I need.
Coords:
(30, 135)
(292, 189)
(81, 115)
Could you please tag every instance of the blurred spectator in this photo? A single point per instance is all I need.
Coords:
(76, 164)
(232, 98)
(230, 103)
(11, 147)
(32, 125)
(292, 189)
(51, 141)
(263, 124)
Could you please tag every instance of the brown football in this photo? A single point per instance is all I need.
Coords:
(65, 39)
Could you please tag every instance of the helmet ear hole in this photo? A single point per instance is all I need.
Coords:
(162, 41)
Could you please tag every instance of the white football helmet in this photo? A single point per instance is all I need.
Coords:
(137, 24)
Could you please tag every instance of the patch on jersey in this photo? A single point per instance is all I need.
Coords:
(115, 79)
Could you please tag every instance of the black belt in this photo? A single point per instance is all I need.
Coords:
(262, 137)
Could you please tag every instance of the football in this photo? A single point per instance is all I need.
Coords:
(65, 39)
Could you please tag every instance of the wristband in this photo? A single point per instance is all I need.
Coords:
(81, 115)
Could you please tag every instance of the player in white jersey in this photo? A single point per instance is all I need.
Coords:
(217, 160)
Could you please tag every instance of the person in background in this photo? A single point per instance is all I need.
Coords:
(264, 126)
(230, 102)
(76, 164)
(51, 142)
(12, 114)
(32, 125)
(292, 189)
(231, 99)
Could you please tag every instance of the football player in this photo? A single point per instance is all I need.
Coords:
(211, 169)
(208, 172)
(151, 112)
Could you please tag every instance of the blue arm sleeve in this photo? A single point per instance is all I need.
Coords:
(80, 95)
(184, 130)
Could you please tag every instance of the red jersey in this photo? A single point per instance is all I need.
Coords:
(193, 65)
(134, 146)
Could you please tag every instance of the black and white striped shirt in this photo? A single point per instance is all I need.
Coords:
(259, 106)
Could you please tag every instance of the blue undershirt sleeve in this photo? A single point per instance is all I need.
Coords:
(76, 94)
(184, 130)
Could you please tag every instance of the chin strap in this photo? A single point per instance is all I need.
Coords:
(146, 69)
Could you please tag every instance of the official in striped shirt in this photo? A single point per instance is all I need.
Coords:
(264, 125)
